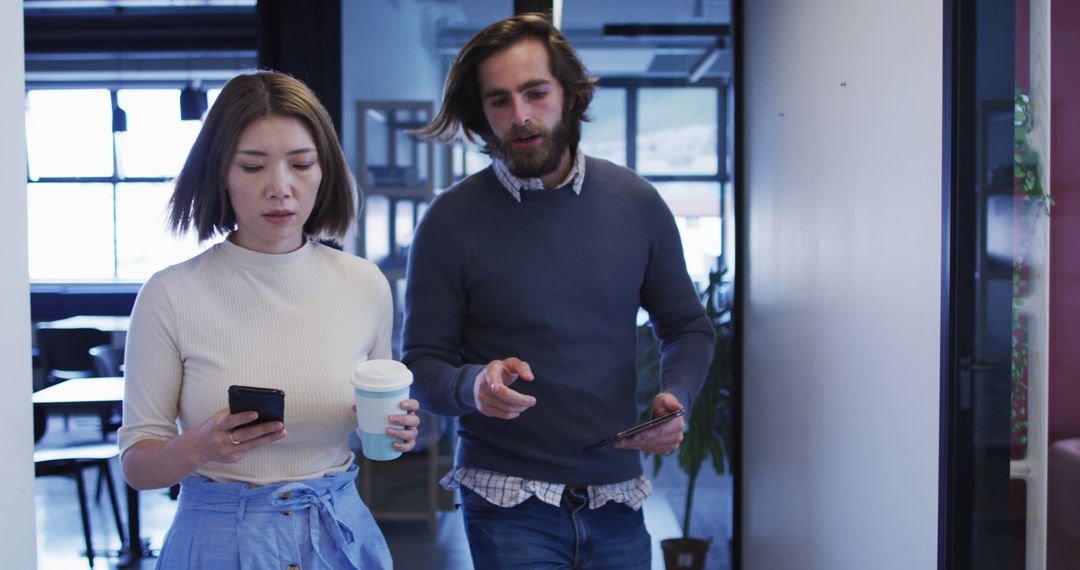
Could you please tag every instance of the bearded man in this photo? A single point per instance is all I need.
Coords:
(523, 288)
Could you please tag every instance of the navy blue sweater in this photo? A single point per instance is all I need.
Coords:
(555, 280)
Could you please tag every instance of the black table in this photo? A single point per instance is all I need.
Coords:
(116, 325)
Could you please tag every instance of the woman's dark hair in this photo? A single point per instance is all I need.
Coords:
(462, 109)
(200, 199)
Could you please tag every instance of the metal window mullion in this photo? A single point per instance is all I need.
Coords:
(115, 181)
(721, 132)
(98, 180)
(631, 127)
(681, 177)
(721, 157)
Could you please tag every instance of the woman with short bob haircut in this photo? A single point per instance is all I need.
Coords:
(266, 308)
(200, 199)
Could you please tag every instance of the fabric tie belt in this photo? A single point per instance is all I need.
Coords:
(316, 496)
(320, 507)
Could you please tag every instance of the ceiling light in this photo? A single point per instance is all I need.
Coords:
(119, 119)
(192, 103)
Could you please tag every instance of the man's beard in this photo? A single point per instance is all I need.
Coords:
(537, 161)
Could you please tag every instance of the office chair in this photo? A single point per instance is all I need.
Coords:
(66, 352)
(108, 359)
(70, 461)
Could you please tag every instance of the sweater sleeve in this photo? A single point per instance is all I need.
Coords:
(676, 313)
(152, 369)
(435, 305)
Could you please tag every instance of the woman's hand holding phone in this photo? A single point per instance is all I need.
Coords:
(228, 438)
(154, 464)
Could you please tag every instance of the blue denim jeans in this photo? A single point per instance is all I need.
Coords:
(535, 534)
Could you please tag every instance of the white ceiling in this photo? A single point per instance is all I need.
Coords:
(583, 23)
(594, 13)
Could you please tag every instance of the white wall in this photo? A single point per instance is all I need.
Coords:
(843, 101)
(17, 443)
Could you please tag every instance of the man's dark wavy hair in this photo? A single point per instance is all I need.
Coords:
(462, 111)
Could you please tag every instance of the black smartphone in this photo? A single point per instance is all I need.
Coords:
(635, 430)
(269, 402)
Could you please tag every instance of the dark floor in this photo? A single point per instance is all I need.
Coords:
(60, 541)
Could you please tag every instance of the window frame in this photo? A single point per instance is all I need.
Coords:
(115, 179)
(631, 86)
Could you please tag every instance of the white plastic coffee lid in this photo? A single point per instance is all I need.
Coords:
(381, 375)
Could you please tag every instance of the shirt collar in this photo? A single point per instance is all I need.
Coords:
(515, 185)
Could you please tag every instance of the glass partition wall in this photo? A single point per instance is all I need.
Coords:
(996, 319)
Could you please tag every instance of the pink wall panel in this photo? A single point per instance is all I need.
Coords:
(1023, 47)
(1065, 221)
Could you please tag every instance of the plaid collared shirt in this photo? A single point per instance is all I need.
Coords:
(515, 185)
(508, 491)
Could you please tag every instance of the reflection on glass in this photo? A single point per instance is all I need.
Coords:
(404, 159)
(677, 131)
(475, 159)
(405, 149)
(696, 206)
(70, 231)
(404, 224)
(457, 162)
(691, 199)
(143, 242)
(375, 147)
(156, 141)
(728, 258)
(411, 118)
(376, 227)
(467, 159)
(69, 132)
(422, 173)
(605, 136)
(393, 156)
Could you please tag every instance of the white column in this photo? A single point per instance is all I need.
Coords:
(17, 444)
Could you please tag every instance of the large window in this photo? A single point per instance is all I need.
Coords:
(673, 135)
(98, 188)
(677, 131)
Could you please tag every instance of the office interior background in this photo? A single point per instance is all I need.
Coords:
(848, 165)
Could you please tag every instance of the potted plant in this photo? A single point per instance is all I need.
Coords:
(709, 434)
(1031, 203)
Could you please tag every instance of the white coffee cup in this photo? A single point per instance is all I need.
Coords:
(380, 386)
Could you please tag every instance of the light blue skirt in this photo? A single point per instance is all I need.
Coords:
(314, 524)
